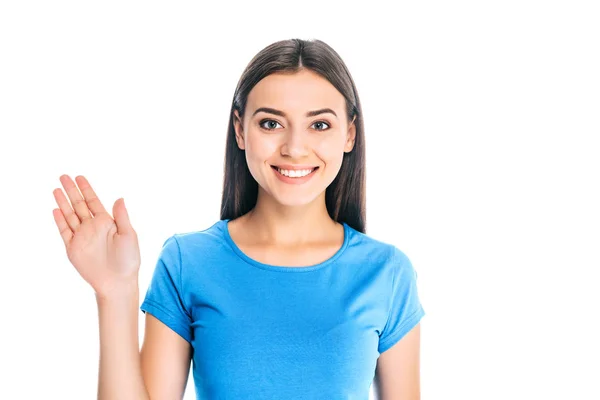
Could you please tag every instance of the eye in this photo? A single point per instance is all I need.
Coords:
(270, 125)
(322, 122)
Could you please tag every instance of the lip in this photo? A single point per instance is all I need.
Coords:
(290, 167)
(294, 181)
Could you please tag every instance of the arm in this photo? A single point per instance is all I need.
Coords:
(397, 376)
(106, 254)
(159, 371)
(120, 374)
(165, 358)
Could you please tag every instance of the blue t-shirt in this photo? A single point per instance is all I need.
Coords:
(261, 331)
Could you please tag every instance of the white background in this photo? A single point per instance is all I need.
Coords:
(482, 124)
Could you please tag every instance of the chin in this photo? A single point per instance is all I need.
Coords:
(294, 199)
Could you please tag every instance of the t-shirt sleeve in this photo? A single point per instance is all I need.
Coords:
(405, 309)
(164, 297)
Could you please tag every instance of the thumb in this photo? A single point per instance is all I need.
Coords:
(121, 216)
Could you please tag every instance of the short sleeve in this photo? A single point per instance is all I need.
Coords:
(405, 309)
(164, 297)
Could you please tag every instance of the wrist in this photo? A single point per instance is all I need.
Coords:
(119, 291)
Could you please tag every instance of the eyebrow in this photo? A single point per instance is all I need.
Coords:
(282, 114)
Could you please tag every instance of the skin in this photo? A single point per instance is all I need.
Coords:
(397, 375)
(287, 218)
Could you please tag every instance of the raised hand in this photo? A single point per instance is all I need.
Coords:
(105, 251)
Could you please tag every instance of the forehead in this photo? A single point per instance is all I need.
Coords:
(295, 93)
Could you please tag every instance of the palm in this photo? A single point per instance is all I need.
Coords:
(105, 255)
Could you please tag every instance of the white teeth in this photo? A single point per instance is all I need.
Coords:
(295, 173)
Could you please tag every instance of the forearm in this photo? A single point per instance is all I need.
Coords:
(120, 372)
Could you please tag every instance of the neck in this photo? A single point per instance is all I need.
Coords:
(290, 225)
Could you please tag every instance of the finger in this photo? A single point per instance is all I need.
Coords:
(77, 201)
(65, 208)
(90, 196)
(122, 217)
(63, 227)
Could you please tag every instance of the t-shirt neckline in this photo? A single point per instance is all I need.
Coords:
(281, 268)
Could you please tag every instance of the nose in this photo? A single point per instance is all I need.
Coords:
(295, 144)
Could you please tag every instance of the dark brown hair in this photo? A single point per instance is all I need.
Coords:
(345, 196)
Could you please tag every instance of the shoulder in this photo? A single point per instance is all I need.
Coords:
(212, 233)
(380, 254)
(196, 254)
(190, 243)
(377, 248)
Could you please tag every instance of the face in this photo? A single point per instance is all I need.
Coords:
(284, 140)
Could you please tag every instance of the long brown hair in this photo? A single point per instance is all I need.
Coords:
(345, 196)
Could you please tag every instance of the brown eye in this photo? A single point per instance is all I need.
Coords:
(271, 124)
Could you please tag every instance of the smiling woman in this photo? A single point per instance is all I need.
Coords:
(314, 153)
(286, 296)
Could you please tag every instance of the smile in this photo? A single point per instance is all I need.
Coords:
(294, 176)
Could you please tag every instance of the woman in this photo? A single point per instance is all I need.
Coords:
(285, 297)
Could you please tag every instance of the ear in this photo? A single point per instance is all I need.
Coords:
(239, 130)
(350, 136)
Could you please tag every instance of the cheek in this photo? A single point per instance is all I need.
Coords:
(331, 150)
(259, 147)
